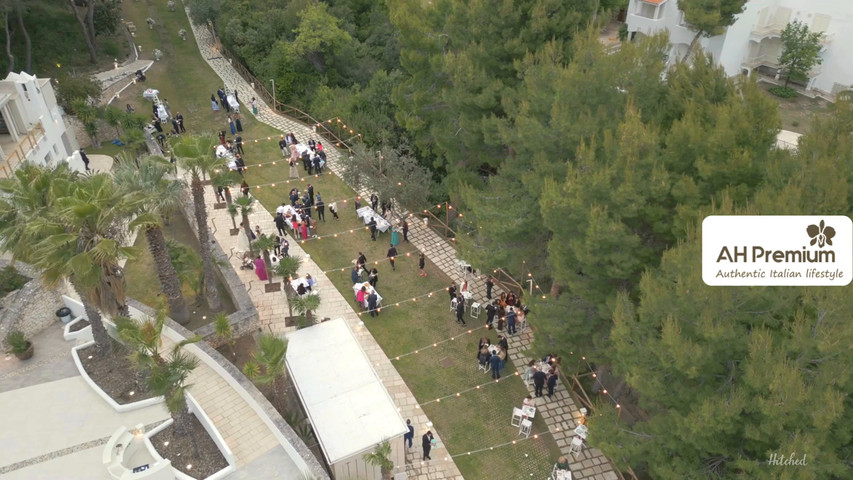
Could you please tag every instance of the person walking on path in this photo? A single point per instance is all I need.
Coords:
(460, 310)
(405, 231)
(421, 265)
(392, 255)
(538, 382)
(85, 159)
(426, 443)
(489, 285)
(410, 436)
(321, 208)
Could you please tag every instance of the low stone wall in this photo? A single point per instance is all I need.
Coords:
(30, 309)
(246, 318)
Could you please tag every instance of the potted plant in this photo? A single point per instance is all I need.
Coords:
(381, 457)
(19, 345)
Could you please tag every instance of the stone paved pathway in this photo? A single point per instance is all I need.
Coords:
(560, 412)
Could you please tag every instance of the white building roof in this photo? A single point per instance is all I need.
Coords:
(346, 402)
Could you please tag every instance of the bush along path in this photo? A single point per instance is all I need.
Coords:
(560, 413)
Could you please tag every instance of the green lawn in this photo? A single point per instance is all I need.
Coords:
(475, 420)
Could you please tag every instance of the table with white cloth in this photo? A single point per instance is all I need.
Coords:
(366, 213)
(528, 411)
(494, 349)
(300, 281)
(357, 287)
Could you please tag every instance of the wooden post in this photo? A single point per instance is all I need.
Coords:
(446, 219)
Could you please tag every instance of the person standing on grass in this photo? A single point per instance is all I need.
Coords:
(452, 290)
(491, 310)
(282, 144)
(421, 265)
(495, 366)
(180, 119)
(373, 278)
(238, 144)
(321, 208)
(333, 208)
(354, 276)
(371, 304)
(213, 103)
(372, 226)
(392, 255)
(426, 443)
(460, 310)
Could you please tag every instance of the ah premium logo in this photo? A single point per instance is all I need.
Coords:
(772, 250)
(822, 235)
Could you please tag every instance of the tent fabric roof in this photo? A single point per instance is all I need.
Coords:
(346, 402)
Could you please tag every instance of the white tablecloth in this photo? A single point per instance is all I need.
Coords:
(366, 213)
(563, 475)
(528, 411)
(370, 289)
(494, 349)
(300, 281)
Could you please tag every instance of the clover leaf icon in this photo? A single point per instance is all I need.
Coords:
(822, 235)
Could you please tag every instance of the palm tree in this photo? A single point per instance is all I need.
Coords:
(72, 227)
(267, 366)
(189, 266)
(306, 304)
(381, 457)
(224, 331)
(224, 180)
(264, 243)
(244, 206)
(145, 340)
(195, 154)
(169, 380)
(158, 195)
(287, 267)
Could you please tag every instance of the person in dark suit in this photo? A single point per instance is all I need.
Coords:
(180, 119)
(371, 304)
(426, 443)
(490, 314)
(321, 208)
(361, 261)
(452, 290)
(538, 382)
(510, 321)
(282, 144)
(238, 144)
(410, 436)
(372, 226)
(460, 310)
(392, 255)
(552, 381)
(489, 285)
(405, 231)
(374, 201)
(311, 194)
(280, 224)
(85, 159)
(354, 276)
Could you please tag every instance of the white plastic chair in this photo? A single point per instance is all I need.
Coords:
(453, 304)
(484, 367)
(475, 310)
(577, 446)
(516, 417)
(526, 427)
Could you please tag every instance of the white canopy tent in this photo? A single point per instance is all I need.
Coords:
(348, 406)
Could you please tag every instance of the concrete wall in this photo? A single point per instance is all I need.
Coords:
(30, 309)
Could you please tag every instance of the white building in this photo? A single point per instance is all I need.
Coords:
(346, 402)
(753, 42)
(31, 124)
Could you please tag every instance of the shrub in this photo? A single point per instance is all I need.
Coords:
(11, 280)
(17, 342)
(783, 92)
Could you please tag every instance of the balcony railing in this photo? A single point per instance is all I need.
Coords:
(772, 61)
(16, 152)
